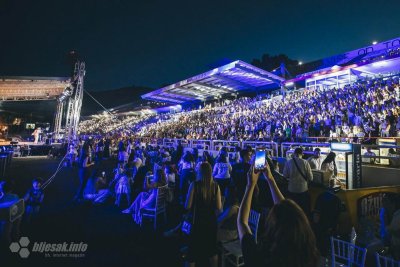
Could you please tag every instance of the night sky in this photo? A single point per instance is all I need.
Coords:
(151, 43)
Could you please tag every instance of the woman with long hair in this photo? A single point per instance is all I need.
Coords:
(329, 165)
(147, 198)
(203, 201)
(287, 238)
(85, 162)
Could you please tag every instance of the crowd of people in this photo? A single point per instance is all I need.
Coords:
(216, 195)
(358, 111)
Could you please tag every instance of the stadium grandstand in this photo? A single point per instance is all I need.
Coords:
(341, 120)
(222, 91)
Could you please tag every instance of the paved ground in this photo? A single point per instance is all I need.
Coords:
(113, 239)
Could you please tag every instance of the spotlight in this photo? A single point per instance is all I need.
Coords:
(374, 42)
(300, 63)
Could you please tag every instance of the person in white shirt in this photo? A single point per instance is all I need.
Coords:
(299, 174)
(222, 171)
(315, 161)
(329, 167)
(384, 128)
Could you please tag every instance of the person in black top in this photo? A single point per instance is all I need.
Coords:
(85, 163)
(287, 239)
(239, 173)
(178, 153)
(139, 177)
(203, 200)
(325, 217)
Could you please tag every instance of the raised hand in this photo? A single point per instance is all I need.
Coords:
(252, 176)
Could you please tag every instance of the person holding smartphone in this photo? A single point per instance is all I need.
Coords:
(287, 239)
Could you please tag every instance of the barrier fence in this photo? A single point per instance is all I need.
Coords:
(275, 149)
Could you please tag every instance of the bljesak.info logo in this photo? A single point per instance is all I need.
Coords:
(49, 250)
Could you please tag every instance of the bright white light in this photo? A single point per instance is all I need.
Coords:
(300, 63)
(374, 42)
(379, 64)
(290, 84)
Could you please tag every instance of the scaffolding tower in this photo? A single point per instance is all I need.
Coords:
(71, 98)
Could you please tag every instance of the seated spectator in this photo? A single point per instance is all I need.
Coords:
(147, 198)
(97, 190)
(394, 160)
(123, 186)
(287, 239)
(370, 156)
(140, 176)
(203, 201)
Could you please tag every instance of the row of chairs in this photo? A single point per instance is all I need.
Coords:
(347, 254)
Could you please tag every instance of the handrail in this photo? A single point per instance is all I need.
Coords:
(273, 145)
(225, 143)
(288, 144)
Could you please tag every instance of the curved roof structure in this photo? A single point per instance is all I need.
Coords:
(228, 79)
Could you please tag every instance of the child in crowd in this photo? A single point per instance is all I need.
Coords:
(33, 199)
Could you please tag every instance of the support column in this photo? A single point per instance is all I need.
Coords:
(58, 119)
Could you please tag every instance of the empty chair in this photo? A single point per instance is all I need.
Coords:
(347, 254)
(382, 261)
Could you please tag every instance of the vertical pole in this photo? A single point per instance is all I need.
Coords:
(58, 119)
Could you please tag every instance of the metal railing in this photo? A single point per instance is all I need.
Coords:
(270, 146)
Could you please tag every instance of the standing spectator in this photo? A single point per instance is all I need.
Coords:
(315, 161)
(85, 163)
(9, 231)
(186, 174)
(325, 217)
(299, 174)
(385, 128)
(33, 199)
(390, 224)
(204, 200)
(222, 171)
(287, 239)
(239, 173)
(329, 165)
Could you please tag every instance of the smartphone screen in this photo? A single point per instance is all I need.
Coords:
(260, 159)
